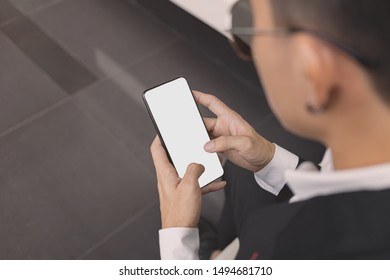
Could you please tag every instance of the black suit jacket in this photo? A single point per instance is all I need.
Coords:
(343, 226)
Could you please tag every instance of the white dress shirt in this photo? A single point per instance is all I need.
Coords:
(306, 182)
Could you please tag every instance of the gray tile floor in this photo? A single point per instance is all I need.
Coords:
(76, 177)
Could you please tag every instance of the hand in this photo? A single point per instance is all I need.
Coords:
(234, 136)
(180, 199)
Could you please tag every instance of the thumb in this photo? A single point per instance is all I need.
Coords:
(193, 173)
(227, 143)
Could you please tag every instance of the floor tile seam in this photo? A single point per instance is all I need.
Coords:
(120, 144)
(14, 18)
(58, 42)
(34, 10)
(41, 71)
(116, 231)
(45, 73)
(180, 38)
(107, 78)
(195, 47)
(67, 98)
(99, 76)
(8, 22)
(36, 116)
(81, 62)
(223, 68)
(155, 19)
(62, 102)
(43, 7)
(151, 53)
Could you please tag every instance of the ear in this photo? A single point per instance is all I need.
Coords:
(317, 63)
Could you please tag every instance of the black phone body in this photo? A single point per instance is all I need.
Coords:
(179, 124)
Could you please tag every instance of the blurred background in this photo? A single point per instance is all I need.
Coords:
(76, 177)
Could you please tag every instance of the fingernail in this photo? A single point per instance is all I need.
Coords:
(209, 146)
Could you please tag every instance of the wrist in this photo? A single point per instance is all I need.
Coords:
(268, 152)
(271, 154)
(172, 222)
(177, 225)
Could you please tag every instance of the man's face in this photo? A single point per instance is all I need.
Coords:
(279, 70)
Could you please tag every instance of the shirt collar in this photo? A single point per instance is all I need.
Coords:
(307, 182)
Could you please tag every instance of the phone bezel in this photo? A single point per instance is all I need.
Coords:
(158, 130)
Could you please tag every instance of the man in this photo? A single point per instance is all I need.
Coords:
(325, 68)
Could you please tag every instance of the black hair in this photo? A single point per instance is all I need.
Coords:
(361, 24)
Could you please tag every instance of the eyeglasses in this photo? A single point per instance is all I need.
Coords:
(243, 50)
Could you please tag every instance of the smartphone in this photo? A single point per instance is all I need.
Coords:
(182, 131)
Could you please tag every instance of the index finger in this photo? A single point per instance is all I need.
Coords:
(212, 103)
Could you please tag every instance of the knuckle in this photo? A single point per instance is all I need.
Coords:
(197, 168)
(224, 143)
(219, 143)
(193, 167)
(187, 180)
(205, 190)
(211, 98)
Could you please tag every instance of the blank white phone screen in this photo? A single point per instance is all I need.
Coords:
(181, 128)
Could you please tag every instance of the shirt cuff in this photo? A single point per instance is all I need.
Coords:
(272, 177)
(179, 243)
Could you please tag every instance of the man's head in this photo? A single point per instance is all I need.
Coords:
(304, 71)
